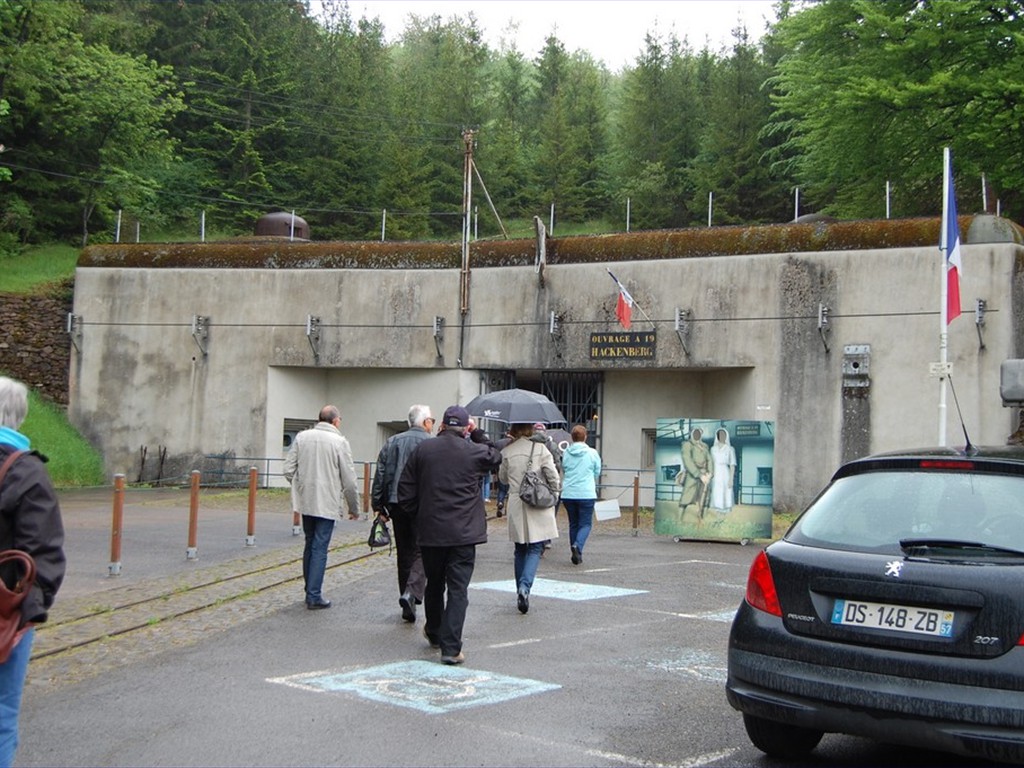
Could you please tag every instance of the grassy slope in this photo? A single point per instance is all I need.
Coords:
(73, 462)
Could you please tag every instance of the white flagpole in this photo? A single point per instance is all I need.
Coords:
(944, 247)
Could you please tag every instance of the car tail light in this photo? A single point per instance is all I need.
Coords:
(953, 464)
(761, 587)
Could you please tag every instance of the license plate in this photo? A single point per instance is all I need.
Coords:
(894, 618)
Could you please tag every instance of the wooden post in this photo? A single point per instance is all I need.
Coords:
(250, 538)
(115, 529)
(192, 551)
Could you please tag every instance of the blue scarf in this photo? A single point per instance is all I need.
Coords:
(14, 439)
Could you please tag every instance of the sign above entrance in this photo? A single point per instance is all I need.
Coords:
(623, 345)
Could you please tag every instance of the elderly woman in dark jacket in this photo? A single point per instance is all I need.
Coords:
(30, 521)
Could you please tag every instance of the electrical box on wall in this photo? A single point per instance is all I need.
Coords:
(1011, 382)
(857, 365)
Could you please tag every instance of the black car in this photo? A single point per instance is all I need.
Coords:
(893, 608)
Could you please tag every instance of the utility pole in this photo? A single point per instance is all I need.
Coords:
(467, 204)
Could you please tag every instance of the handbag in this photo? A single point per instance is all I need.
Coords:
(533, 490)
(380, 534)
(11, 599)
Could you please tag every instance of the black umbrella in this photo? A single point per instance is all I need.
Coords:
(561, 437)
(515, 406)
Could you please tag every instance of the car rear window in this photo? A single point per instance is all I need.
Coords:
(874, 510)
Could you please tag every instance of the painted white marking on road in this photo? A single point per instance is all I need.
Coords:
(561, 590)
(700, 665)
(723, 616)
(424, 685)
(615, 758)
(707, 758)
(514, 643)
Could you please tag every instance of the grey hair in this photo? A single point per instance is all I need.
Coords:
(418, 414)
(13, 402)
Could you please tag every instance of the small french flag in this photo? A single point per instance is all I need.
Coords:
(623, 305)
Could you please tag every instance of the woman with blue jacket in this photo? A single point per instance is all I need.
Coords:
(581, 466)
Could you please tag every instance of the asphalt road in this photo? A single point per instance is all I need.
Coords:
(620, 662)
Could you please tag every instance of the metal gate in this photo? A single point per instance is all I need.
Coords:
(580, 396)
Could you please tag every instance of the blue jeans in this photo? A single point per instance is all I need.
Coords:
(581, 520)
(448, 569)
(318, 532)
(527, 558)
(12, 681)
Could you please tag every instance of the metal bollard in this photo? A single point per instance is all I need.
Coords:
(366, 490)
(192, 552)
(114, 569)
(636, 504)
(250, 537)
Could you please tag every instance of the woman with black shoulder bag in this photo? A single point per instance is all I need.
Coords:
(528, 526)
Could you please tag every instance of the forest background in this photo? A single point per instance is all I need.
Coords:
(163, 112)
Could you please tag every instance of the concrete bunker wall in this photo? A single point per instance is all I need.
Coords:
(751, 348)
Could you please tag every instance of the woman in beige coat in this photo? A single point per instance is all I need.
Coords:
(529, 527)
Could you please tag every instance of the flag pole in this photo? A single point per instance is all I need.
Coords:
(944, 246)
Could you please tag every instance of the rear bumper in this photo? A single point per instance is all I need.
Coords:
(967, 720)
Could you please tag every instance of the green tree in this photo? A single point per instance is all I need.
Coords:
(569, 111)
(657, 132)
(90, 123)
(732, 163)
(506, 153)
(442, 78)
(869, 92)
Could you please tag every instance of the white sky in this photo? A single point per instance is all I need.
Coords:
(611, 30)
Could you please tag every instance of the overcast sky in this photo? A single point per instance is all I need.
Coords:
(611, 30)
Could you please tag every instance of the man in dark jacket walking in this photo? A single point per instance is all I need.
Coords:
(384, 498)
(440, 488)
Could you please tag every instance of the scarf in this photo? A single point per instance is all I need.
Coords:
(14, 439)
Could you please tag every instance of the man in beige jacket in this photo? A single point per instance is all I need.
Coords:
(320, 468)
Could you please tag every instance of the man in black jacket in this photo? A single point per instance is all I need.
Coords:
(440, 488)
(384, 498)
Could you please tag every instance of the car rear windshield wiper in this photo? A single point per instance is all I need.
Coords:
(923, 546)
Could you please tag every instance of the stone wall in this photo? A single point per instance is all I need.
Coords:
(34, 344)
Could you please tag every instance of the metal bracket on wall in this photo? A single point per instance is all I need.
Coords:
(313, 334)
(438, 334)
(201, 331)
(682, 328)
(980, 307)
(823, 326)
(75, 331)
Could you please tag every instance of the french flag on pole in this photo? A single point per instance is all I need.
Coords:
(623, 305)
(949, 244)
